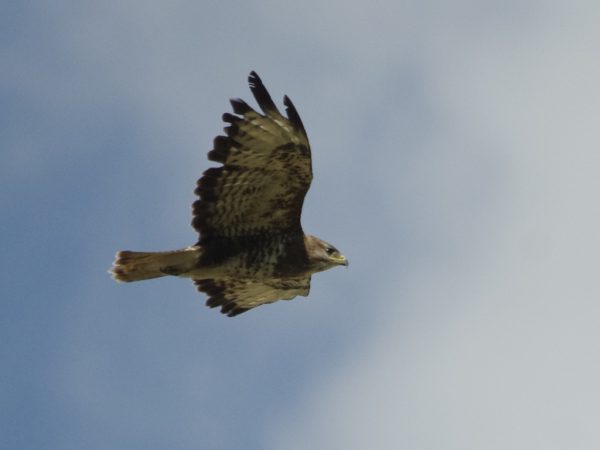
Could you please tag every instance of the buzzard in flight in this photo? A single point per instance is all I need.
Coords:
(251, 249)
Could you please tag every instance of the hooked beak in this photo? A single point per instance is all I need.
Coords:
(342, 260)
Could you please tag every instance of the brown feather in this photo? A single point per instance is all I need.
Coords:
(238, 296)
(265, 175)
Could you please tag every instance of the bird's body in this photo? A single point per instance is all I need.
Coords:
(252, 249)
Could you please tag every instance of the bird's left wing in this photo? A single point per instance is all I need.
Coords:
(238, 296)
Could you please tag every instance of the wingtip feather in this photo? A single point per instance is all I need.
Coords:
(292, 114)
(262, 96)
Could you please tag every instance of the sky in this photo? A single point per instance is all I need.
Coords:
(455, 154)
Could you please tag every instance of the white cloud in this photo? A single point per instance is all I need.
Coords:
(492, 342)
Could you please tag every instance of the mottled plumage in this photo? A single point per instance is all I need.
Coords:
(252, 249)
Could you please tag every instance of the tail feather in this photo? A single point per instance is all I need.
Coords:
(137, 266)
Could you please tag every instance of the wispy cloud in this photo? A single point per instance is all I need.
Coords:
(488, 340)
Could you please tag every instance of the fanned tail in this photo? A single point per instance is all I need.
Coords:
(137, 266)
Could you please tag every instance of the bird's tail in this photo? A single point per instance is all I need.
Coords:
(136, 266)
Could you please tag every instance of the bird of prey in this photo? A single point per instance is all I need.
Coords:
(252, 249)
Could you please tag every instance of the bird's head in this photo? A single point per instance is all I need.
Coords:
(323, 256)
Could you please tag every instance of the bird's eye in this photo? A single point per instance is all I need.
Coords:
(330, 251)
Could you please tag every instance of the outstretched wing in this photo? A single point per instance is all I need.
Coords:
(238, 296)
(265, 175)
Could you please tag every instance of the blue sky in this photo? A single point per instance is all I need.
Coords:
(455, 151)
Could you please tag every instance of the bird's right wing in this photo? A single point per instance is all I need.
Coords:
(265, 175)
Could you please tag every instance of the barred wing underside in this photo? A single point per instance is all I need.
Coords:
(238, 296)
(265, 175)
